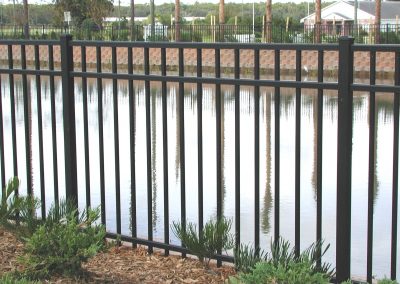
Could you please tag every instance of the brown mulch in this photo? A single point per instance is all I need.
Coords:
(124, 265)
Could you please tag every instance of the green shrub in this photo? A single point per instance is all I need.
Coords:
(9, 278)
(17, 213)
(60, 247)
(246, 257)
(387, 281)
(213, 238)
(7, 205)
(282, 265)
(292, 272)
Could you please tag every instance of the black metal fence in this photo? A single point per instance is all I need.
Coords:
(364, 34)
(345, 86)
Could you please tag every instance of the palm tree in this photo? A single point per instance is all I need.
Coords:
(317, 28)
(268, 20)
(177, 20)
(221, 12)
(26, 19)
(221, 19)
(377, 20)
(132, 19)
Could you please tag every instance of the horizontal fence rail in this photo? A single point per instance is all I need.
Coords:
(329, 33)
(70, 71)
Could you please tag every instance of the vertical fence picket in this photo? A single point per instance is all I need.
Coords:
(132, 129)
(148, 149)
(395, 169)
(257, 152)
(344, 151)
(27, 122)
(40, 133)
(53, 124)
(297, 155)
(237, 147)
(165, 147)
(101, 136)
(116, 141)
(320, 109)
(200, 140)
(67, 66)
(12, 104)
(371, 167)
(2, 160)
(277, 105)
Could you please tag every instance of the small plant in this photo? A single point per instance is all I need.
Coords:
(214, 237)
(9, 278)
(63, 242)
(293, 272)
(17, 213)
(282, 265)
(387, 281)
(281, 253)
(7, 205)
(246, 257)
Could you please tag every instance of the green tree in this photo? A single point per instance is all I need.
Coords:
(98, 9)
(82, 9)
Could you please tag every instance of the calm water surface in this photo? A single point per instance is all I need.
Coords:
(382, 196)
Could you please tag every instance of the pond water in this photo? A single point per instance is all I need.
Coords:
(384, 145)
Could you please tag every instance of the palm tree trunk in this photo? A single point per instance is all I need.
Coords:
(221, 20)
(377, 21)
(268, 19)
(221, 12)
(317, 28)
(177, 20)
(132, 19)
(26, 19)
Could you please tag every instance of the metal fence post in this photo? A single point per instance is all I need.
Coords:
(67, 67)
(345, 135)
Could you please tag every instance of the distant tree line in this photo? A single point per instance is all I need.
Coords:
(86, 12)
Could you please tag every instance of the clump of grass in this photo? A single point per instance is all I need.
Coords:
(208, 242)
(282, 265)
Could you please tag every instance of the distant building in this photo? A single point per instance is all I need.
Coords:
(142, 19)
(116, 19)
(342, 12)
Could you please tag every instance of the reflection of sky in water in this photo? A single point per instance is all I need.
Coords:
(382, 216)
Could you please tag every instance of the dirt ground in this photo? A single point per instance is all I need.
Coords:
(123, 265)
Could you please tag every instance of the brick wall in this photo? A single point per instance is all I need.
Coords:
(385, 60)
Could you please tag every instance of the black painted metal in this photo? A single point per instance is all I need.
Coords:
(40, 134)
(116, 140)
(132, 129)
(395, 169)
(277, 99)
(200, 140)
(320, 109)
(218, 120)
(181, 105)
(85, 126)
(2, 162)
(297, 155)
(371, 165)
(12, 102)
(257, 152)
(237, 148)
(165, 147)
(27, 123)
(101, 135)
(345, 132)
(53, 125)
(67, 65)
(148, 150)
